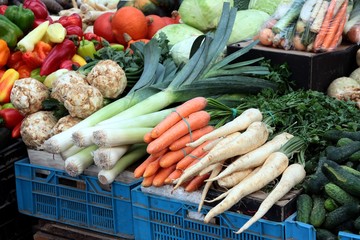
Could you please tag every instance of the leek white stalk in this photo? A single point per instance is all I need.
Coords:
(112, 137)
(134, 154)
(106, 157)
(70, 151)
(77, 163)
(83, 137)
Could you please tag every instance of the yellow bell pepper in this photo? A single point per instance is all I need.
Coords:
(78, 59)
(6, 84)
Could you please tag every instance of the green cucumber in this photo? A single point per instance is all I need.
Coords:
(341, 215)
(324, 234)
(357, 223)
(304, 205)
(339, 176)
(316, 182)
(338, 194)
(318, 211)
(351, 170)
(341, 154)
(343, 142)
(330, 204)
(335, 135)
(355, 157)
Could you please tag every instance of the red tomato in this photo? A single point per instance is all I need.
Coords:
(102, 27)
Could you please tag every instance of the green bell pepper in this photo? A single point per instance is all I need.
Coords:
(9, 31)
(24, 18)
(36, 75)
(86, 49)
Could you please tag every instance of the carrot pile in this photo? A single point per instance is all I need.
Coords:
(167, 146)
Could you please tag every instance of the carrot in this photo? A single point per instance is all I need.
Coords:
(234, 178)
(274, 165)
(336, 26)
(324, 26)
(148, 138)
(238, 124)
(147, 181)
(193, 122)
(181, 142)
(174, 175)
(152, 168)
(207, 186)
(194, 154)
(257, 156)
(182, 111)
(139, 170)
(338, 35)
(172, 157)
(161, 175)
(293, 175)
(254, 136)
(196, 182)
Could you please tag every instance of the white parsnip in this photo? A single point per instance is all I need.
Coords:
(240, 123)
(293, 175)
(256, 157)
(234, 178)
(254, 136)
(273, 167)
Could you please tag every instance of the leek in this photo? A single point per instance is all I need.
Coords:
(77, 163)
(112, 137)
(136, 153)
(106, 158)
(71, 151)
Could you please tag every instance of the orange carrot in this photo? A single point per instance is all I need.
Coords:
(148, 138)
(181, 142)
(147, 181)
(194, 154)
(152, 168)
(193, 122)
(172, 157)
(337, 38)
(182, 111)
(174, 175)
(139, 170)
(161, 175)
(196, 182)
(324, 26)
(335, 27)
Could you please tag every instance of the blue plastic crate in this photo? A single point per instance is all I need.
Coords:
(51, 194)
(166, 218)
(295, 230)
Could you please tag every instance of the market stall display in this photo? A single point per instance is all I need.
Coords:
(203, 98)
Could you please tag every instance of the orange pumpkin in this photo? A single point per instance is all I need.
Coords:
(155, 23)
(131, 21)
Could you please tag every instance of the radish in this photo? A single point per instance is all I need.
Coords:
(274, 165)
(238, 124)
(293, 175)
(255, 135)
(256, 157)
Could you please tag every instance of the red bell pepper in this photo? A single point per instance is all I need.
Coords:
(10, 117)
(15, 60)
(69, 65)
(71, 20)
(15, 133)
(35, 58)
(3, 9)
(74, 30)
(59, 53)
(97, 40)
(38, 7)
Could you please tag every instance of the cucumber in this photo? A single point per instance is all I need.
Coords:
(338, 194)
(339, 176)
(357, 223)
(330, 204)
(324, 234)
(341, 154)
(343, 142)
(347, 226)
(355, 157)
(341, 215)
(318, 211)
(316, 182)
(304, 205)
(335, 135)
(351, 170)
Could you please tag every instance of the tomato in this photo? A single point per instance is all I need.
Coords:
(102, 27)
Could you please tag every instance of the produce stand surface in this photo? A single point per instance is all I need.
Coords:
(51, 194)
(163, 217)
